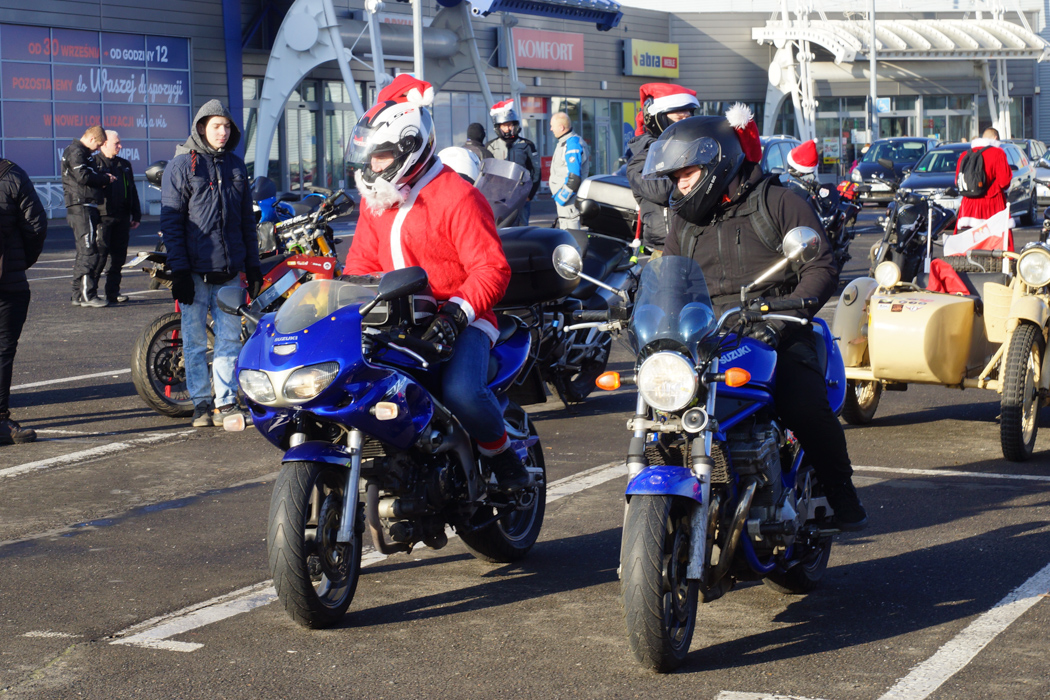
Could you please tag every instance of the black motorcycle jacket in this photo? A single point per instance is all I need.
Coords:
(651, 195)
(732, 253)
(122, 198)
(82, 183)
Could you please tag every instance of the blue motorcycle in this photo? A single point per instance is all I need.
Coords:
(719, 491)
(337, 378)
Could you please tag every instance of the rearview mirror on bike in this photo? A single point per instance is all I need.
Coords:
(801, 245)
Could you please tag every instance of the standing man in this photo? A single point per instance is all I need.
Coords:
(23, 227)
(976, 208)
(510, 146)
(208, 230)
(663, 104)
(120, 213)
(476, 141)
(569, 168)
(82, 185)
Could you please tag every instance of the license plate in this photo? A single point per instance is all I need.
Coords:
(879, 187)
(952, 203)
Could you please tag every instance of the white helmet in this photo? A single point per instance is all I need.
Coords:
(464, 162)
(404, 129)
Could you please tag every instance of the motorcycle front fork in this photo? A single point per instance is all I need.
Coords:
(346, 524)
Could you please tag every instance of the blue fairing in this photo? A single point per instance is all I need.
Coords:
(756, 357)
(665, 481)
(317, 451)
(835, 374)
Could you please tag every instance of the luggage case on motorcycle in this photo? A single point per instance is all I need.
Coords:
(607, 206)
(530, 253)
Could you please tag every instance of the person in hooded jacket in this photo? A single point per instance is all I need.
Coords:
(475, 142)
(208, 229)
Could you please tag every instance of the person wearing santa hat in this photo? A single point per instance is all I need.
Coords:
(510, 145)
(663, 104)
(731, 218)
(415, 211)
(802, 167)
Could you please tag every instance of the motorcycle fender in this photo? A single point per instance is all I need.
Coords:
(1028, 308)
(318, 451)
(851, 320)
(665, 481)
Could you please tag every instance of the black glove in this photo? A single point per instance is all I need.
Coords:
(449, 323)
(182, 287)
(255, 281)
(767, 332)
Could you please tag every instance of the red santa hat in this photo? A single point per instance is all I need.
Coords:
(742, 120)
(803, 157)
(408, 88)
(665, 98)
(503, 109)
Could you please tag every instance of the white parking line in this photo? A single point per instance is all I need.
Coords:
(57, 277)
(155, 633)
(730, 695)
(63, 380)
(89, 454)
(952, 472)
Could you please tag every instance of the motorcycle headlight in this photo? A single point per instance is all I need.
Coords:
(256, 385)
(856, 176)
(1034, 267)
(667, 381)
(306, 383)
(887, 274)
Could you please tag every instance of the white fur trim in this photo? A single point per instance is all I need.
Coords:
(488, 329)
(397, 253)
(739, 115)
(424, 99)
(467, 308)
(982, 142)
(668, 103)
(800, 168)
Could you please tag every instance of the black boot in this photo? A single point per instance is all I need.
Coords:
(850, 515)
(12, 433)
(509, 471)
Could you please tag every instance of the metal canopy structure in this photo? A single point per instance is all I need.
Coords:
(898, 42)
(312, 33)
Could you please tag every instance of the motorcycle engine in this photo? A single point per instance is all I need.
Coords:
(755, 452)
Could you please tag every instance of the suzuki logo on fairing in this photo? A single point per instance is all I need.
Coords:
(739, 352)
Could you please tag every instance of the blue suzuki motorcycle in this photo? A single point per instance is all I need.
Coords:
(719, 491)
(337, 378)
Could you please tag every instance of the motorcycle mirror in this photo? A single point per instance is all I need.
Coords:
(801, 244)
(886, 163)
(399, 283)
(155, 173)
(567, 262)
(951, 191)
(230, 300)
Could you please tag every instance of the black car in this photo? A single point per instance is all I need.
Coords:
(904, 152)
(936, 172)
(775, 151)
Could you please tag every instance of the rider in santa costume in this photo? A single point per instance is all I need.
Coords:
(415, 211)
(975, 211)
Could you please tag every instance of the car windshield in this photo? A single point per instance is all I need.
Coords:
(316, 300)
(672, 304)
(897, 151)
(939, 162)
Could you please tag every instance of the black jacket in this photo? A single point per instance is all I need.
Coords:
(122, 197)
(478, 149)
(651, 195)
(23, 225)
(82, 183)
(732, 254)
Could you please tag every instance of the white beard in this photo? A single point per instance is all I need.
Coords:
(381, 194)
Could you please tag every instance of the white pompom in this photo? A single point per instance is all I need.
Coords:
(739, 116)
(423, 99)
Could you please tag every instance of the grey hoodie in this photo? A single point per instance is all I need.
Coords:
(196, 142)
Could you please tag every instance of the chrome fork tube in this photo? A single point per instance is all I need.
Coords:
(350, 493)
(636, 451)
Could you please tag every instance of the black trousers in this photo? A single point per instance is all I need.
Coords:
(116, 231)
(86, 224)
(801, 400)
(13, 309)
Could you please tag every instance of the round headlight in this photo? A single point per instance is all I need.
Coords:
(667, 381)
(256, 385)
(887, 274)
(306, 383)
(856, 176)
(1034, 267)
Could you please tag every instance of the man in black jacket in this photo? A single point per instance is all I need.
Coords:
(120, 213)
(476, 141)
(82, 185)
(730, 218)
(23, 227)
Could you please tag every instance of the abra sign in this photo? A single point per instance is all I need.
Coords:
(650, 58)
(542, 50)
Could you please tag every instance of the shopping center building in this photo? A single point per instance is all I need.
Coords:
(144, 67)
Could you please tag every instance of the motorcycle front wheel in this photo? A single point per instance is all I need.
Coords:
(1019, 421)
(659, 602)
(862, 400)
(158, 369)
(315, 576)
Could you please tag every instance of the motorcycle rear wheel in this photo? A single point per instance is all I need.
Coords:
(158, 370)
(1019, 420)
(659, 602)
(804, 576)
(315, 576)
(862, 400)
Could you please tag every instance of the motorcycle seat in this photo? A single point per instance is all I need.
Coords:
(505, 325)
(974, 282)
(307, 207)
(270, 263)
(602, 258)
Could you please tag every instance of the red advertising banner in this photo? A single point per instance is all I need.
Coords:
(531, 104)
(544, 50)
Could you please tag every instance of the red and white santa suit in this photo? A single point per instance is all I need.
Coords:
(975, 211)
(446, 227)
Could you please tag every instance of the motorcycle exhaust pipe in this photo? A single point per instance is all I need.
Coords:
(735, 529)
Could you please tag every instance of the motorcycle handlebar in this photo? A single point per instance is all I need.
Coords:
(319, 190)
(765, 306)
(423, 347)
(995, 254)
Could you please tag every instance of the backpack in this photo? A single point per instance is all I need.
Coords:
(971, 180)
(5, 167)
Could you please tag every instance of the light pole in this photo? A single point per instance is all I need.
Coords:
(873, 116)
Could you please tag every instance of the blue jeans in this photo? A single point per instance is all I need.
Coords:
(195, 344)
(464, 387)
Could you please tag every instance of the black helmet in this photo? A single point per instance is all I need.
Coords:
(708, 143)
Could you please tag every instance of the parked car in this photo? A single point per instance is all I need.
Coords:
(936, 171)
(904, 151)
(775, 151)
(1037, 153)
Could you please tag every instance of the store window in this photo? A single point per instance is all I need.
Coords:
(339, 122)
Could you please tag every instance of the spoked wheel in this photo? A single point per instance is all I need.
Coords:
(810, 558)
(659, 602)
(315, 576)
(577, 386)
(512, 537)
(158, 369)
(1019, 422)
(862, 400)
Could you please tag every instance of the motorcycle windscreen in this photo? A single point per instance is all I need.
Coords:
(504, 184)
(672, 304)
(315, 300)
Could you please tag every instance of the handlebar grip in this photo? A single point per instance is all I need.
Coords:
(788, 304)
(586, 316)
(995, 254)
(423, 347)
(319, 190)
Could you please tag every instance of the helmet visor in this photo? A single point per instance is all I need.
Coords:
(667, 156)
(359, 150)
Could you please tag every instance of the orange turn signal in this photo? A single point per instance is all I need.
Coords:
(608, 381)
(737, 376)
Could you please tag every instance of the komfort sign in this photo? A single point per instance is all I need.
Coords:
(544, 50)
(653, 58)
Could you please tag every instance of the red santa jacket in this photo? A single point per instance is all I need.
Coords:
(446, 227)
(974, 211)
